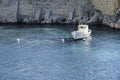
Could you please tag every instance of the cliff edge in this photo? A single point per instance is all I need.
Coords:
(60, 11)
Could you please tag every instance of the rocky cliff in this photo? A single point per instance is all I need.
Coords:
(55, 11)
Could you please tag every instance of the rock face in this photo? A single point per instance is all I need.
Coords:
(38, 15)
(107, 7)
(117, 24)
(46, 11)
(8, 11)
(54, 11)
(113, 21)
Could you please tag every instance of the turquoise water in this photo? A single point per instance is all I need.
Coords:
(38, 53)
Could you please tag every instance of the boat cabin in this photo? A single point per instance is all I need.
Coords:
(83, 28)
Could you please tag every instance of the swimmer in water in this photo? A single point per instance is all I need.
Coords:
(18, 40)
(63, 40)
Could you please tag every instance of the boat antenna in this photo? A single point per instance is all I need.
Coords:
(18, 11)
(74, 26)
(79, 13)
(75, 9)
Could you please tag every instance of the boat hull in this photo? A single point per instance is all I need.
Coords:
(80, 35)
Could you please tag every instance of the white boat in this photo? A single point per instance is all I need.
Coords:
(82, 32)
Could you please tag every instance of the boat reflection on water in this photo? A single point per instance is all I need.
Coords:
(88, 40)
(70, 40)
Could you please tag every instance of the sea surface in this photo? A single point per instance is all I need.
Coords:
(48, 52)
